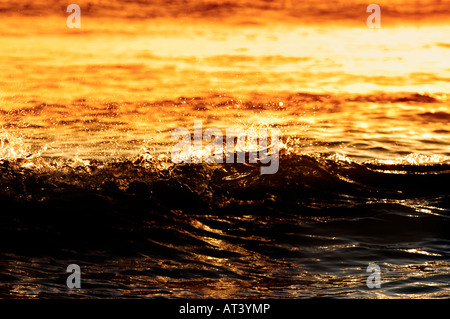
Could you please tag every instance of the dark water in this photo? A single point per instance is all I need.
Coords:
(193, 231)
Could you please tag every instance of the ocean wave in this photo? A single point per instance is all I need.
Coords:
(145, 222)
(315, 177)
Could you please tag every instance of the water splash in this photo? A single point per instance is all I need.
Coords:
(13, 148)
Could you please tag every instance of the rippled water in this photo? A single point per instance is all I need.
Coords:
(86, 177)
